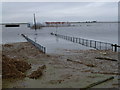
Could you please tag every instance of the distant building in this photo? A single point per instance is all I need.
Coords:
(94, 21)
(38, 25)
(14, 25)
(57, 24)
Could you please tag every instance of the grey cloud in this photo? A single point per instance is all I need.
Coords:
(23, 12)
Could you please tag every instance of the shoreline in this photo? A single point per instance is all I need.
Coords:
(67, 70)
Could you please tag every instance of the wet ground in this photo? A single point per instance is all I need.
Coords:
(70, 69)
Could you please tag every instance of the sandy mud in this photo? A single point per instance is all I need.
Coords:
(71, 69)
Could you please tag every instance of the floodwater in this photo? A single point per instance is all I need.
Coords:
(105, 32)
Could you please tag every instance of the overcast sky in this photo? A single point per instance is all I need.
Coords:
(58, 11)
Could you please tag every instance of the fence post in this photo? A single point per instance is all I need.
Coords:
(67, 37)
(76, 40)
(79, 40)
(44, 50)
(95, 44)
(106, 47)
(70, 38)
(73, 39)
(90, 43)
(112, 47)
(115, 47)
(82, 41)
(100, 45)
(86, 42)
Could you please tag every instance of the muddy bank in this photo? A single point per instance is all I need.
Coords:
(14, 59)
(38, 73)
(71, 69)
(13, 68)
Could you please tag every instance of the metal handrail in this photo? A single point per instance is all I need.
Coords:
(90, 43)
(40, 47)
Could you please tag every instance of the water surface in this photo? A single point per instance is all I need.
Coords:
(105, 32)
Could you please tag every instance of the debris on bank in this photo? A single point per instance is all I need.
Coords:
(55, 81)
(13, 68)
(39, 72)
(99, 82)
(8, 45)
(75, 67)
(104, 58)
(109, 73)
(89, 65)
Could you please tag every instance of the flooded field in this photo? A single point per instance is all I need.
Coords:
(106, 32)
(68, 64)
